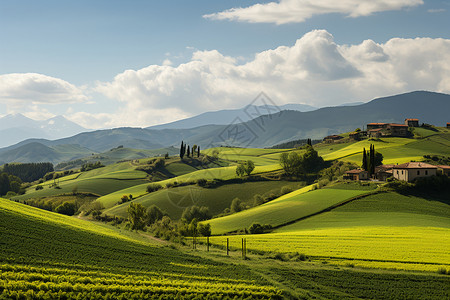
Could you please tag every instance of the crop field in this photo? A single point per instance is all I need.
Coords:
(45, 255)
(287, 208)
(384, 230)
(174, 200)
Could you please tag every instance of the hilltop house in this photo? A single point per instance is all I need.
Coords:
(387, 129)
(412, 122)
(413, 170)
(356, 174)
(332, 138)
(448, 125)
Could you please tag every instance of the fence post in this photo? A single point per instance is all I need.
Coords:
(228, 245)
(207, 243)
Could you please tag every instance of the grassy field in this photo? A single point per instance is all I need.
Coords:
(46, 255)
(385, 230)
(285, 209)
(174, 200)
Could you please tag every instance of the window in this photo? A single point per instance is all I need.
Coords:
(418, 172)
(402, 172)
(426, 172)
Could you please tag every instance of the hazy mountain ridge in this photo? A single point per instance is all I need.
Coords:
(266, 130)
(17, 127)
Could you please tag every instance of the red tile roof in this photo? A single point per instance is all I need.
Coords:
(376, 123)
(444, 167)
(355, 171)
(415, 165)
(397, 125)
(375, 130)
(411, 119)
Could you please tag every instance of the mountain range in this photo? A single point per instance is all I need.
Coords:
(262, 131)
(16, 127)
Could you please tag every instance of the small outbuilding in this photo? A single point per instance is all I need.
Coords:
(448, 125)
(383, 172)
(413, 170)
(412, 122)
(356, 174)
(332, 138)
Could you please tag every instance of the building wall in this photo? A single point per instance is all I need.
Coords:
(411, 174)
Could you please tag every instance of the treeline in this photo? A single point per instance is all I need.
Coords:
(186, 150)
(10, 184)
(91, 166)
(28, 172)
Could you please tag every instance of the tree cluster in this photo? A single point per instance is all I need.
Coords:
(91, 166)
(186, 150)
(295, 164)
(245, 168)
(371, 159)
(10, 183)
(28, 172)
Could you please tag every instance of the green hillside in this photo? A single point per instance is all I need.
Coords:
(46, 255)
(174, 200)
(285, 209)
(386, 230)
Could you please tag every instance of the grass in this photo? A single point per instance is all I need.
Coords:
(385, 230)
(174, 200)
(46, 255)
(285, 209)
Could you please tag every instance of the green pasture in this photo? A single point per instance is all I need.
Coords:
(46, 255)
(385, 230)
(287, 208)
(174, 200)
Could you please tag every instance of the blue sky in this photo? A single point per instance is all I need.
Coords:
(187, 57)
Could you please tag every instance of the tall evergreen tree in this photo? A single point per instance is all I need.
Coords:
(364, 160)
(188, 152)
(372, 159)
(198, 151)
(309, 142)
(182, 150)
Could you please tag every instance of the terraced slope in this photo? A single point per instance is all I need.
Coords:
(44, 255)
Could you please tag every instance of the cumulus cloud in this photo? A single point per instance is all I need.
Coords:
(296, 11)
(315, 70)
(26, 88)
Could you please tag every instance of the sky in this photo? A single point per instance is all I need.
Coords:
(105, 64)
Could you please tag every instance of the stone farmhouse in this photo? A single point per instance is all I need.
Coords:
(377, 130)
(413, 170)
(356, 174)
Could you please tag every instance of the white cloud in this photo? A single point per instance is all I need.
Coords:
(315, 70)
(296, 11)
(26, 88)
(436, 10)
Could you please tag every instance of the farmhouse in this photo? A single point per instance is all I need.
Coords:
(387, 129)
(383, 172)
(412, 170)
(412, 122)
(448, 125)
(354, 136)
(356, 174)
(332, 138)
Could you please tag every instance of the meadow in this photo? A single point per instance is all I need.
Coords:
(45, 255)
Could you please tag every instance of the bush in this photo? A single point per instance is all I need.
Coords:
(286, 190)
(66, 208)
(201, 182)
(153, 188)
(236, 205)
(154, 214)
(39, 187)
(257, 228)
(204, 229)
(195, 212)
(443, 271)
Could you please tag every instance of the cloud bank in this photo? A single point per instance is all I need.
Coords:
(314, 70)
(297, 11)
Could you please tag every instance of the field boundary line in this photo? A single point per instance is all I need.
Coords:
(330, 208)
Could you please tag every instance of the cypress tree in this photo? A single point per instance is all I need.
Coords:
(182, 150)
(198, 151)
(364, 160)
(188, 151)
(309, 142)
